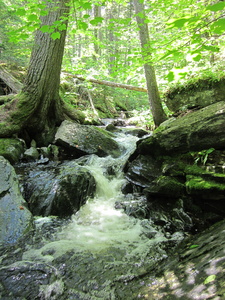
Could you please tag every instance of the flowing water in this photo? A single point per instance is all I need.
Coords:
(99, 225)
(101, 248)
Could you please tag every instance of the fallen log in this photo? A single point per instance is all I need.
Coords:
(14, 85)
(109, 83)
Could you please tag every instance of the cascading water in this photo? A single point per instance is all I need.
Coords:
(99, 225)
(101, 248)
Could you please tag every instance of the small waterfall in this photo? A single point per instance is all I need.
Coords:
(99, 225)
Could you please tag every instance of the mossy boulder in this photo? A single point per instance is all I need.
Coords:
(200, 94)
(11, 149)
(202, 129)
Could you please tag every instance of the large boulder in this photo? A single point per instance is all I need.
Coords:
(198, 130)
(58, 190)
(15, 219)
(78, 140)
(199, 94)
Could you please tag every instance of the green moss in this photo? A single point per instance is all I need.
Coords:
(11, 149)
(105, 132)
(194, 170)
(159, 129)
(197, 183)
(195, 83)
(7, 129)
(120, 105)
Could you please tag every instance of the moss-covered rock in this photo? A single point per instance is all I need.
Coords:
(165, 186)
(11, 149)
(202, 129)
(199, 94)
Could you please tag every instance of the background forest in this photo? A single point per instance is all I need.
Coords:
(186, 43)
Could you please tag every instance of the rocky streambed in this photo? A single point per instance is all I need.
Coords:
(116, 219)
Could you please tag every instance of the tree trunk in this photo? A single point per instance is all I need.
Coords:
(43, 76)
(38, 109)
(158, 113)
(109, 83)
(97, 14)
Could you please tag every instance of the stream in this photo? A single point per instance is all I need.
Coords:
(97, 252)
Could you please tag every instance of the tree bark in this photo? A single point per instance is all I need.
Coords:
(38, 109)
(158, 113)
(43, 76)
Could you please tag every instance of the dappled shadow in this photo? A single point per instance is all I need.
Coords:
(196, 270)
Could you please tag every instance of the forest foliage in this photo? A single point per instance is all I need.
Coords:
(186, 41)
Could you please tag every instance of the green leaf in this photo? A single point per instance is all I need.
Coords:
(33, 17)
(179, 23)
(211, 48)
(216, 7)
(43, 12)
(45, 28)
(62, 27)
(197, 57)
(41, 6)
(141, 15)
(21, 12)
(55, 35)
(194, 246)
(96, 21)
(210, 278)
(86, 5)
(170, 76)
(86, 16)
(82, 25)
(218, 26)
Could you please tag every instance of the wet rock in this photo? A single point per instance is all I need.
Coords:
(78, 140)
(143, 170)
(195, 270)
(112, 128)
(134, 205)
(15, 219)
(31, 154)
(12, 149)
(137, 132)
(29, 280)
(56, 189)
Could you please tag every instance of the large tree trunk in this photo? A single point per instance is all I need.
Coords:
(38, 108)
(153, 93)
(43, 77)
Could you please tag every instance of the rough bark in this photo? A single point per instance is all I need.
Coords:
(38, 109)
(43, 76)
(153, 93)
(109, 83)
